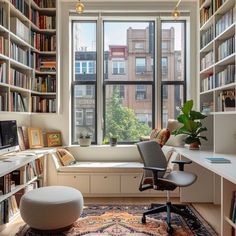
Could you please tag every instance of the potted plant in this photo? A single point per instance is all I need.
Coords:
(85, 140)
(192, 126)
(113, 139)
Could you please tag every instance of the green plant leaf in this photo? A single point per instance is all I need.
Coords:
(182, 118)
(203, 137)
(201, 129)
(195, 115)
(190, 140)
(187, 107)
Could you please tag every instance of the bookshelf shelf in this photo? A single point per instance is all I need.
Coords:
(206, 3)
(208, 47)
(29, 50)
(226, 86)
(43, 93)
(225, 7)
(230, 31)
(207, 24)
(227, 60)
(228, 220)
(207, 70)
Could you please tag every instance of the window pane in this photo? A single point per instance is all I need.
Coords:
(84, 110)
(128, 51)
(171, 101)
(126, 117)
(173, 51)
(84, 44)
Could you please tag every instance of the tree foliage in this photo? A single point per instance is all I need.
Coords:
(121, 121)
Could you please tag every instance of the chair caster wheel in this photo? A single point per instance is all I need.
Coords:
(170, 230)
(143, 220)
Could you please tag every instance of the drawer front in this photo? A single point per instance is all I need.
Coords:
(130, 183)
(103, 184)
(80, 182)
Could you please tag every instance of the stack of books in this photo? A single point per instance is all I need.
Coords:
(22, 6)
(18, 79)
(226, 76)
(44, 105)
(226, 48)
(43, 42)
(44, 84)
(207, 36)
(3, 14)
(207, 60)
(46, 3)
(207, 83)
(19, 54)
(46, 64)
(47, 22)
(18, 103)
(3, 75)
(226, 100)
(218, 160)
(206, 13)
(225, 21)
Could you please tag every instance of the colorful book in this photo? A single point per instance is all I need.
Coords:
(217, 160)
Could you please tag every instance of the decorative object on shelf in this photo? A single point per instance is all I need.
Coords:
(113, 139)
(85, 140)
(65, 157)
(176, 12)
(79, 7)
(35, 137)
(54, 139)
(192, 125)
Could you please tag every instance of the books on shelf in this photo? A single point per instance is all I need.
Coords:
(44, 84)
(233, 212)
(207, 60)
(22, 6)
(34, 16)
(225, 101)
(18, 79)
(47, 22)
(46, 64)
(226, 48)
(42, 104)
(206, 13)
(226, 76)
(207, 107)
(207, 36)
(43, 42)
(218, 160)
(3, 101)
(19, 54)
(225, 21)
(46, 3)
(207, 83)
(18, 103)
(219, 3)
(5, 184)
(3, 74)
(3, 14)
(3, 45)
(18, 28)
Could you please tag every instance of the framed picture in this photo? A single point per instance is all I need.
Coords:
(35, 137)
(54, 139)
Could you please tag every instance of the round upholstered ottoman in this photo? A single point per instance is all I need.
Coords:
(51, 208)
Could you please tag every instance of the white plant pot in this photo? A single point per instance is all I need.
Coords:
(84, 142)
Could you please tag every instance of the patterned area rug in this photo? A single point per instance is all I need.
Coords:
(126, 220)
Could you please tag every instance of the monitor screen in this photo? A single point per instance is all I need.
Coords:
(8, 135)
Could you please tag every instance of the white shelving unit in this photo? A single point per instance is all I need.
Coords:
(30, 71)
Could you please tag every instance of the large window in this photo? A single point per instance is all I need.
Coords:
(173, 73)
(125, 116)
(84, 79)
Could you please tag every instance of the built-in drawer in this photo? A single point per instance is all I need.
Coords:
(130, 183)
(102, 184)
(80, 182)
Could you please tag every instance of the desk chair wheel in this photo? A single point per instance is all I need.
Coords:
(143, 220)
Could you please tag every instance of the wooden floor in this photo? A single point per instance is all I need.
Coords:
(210, 212)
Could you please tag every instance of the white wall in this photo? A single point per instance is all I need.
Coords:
(61, 121)
(22, 119)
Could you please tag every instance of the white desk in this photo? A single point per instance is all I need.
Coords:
(209, 176)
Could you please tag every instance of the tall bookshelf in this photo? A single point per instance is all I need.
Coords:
(28, 73)
(217, 83)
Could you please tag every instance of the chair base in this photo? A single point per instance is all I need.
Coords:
(168, 208)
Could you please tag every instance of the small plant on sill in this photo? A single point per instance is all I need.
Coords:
(85, 139)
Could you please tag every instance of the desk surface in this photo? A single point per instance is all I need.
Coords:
(227, 171)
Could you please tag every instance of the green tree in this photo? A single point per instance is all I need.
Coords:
(121, 121)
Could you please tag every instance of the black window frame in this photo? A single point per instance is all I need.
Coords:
(125, 82)
(76, 83)
(172, 82)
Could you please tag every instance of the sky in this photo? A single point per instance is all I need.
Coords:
(115, 33)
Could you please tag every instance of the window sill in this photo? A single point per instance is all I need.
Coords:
(105, 146)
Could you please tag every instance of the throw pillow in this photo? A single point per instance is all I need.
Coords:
(176, 141)
(162, 136)
(154, 133)
(65, 157)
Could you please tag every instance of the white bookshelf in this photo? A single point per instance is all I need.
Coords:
(31, 72)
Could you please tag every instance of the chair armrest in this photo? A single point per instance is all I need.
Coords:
(155, 171)
(181, 164)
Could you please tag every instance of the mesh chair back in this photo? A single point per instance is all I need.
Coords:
(152, 156)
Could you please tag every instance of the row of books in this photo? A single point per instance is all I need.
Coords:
(207, 36)
(46, 3)
(219, 3)
(18, 54)
(225, 101)
(226, 48)
(34, 16)
(207, 60)
(44, 84)
(47, 22)
(5, 184)
(43, 42)
(22, 6)
(46, 64)
(18, 28)
(44, 105)
(207, 83)
(226, 76)
(225, 21)
(3, 74)
(18, 103)
(3, 14)
(3, 45)
(233, 210)
(18, 79)
(3, 101)
(206, 13)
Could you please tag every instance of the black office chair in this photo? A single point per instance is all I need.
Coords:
(155, 177)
